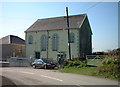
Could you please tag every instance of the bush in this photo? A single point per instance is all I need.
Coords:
(110, 66)
(76, 64)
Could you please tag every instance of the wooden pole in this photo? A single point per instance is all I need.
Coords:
(69, 48)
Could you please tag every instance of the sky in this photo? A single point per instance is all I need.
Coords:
(16, 17)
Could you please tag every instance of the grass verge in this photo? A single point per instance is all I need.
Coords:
(91, 71)
(83, 70)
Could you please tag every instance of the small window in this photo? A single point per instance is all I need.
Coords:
(44, 42)
(30, 39)
(72, 37)
(55, 42)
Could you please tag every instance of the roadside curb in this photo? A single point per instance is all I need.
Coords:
(6, 82)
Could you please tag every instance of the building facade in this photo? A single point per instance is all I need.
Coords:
(48, 38)
(11, 46)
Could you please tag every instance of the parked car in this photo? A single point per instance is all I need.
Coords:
(41, 63)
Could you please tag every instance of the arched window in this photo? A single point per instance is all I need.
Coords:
(55, 42)
(30, 39)
(44, 42)
(72, 37)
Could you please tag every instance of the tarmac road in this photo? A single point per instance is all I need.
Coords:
(6, 81)
(30, 76)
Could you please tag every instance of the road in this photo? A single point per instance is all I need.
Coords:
(30, 76)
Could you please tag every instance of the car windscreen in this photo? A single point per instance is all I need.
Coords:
(46, 61)
(38, 61)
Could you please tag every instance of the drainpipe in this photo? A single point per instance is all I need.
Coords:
(47, 42)
(25, 44)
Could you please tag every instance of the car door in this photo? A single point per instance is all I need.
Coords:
(40, 63)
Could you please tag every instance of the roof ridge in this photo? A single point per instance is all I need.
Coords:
(62, 17)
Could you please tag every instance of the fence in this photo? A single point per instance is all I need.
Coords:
(4, 64)
(94, 60)
(19, 62)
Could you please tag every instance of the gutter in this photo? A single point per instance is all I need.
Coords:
(51, 30)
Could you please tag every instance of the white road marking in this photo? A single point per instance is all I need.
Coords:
(27, 72)
(51, 78)
(18, 71)
(7, 70)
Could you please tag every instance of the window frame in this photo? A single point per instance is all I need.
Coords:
(72, 37)
(43, 42)
(30, 39)
(55, 42)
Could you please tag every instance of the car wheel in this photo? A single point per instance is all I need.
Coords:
(34, 66)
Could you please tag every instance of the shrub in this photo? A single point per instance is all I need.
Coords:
(110, 66)
(76, 64)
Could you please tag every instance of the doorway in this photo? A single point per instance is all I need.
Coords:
(60, 56)
(37, 55)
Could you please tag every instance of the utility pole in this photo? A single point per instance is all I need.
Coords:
(69, 48)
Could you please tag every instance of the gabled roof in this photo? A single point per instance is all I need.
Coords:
(75, 21)
(11, 39)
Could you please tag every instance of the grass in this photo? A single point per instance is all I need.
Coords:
(91, 71)
(108, 67)
(83, 70)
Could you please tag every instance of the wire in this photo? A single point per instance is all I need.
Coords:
(93, 6)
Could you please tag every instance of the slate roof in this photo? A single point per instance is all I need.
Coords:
(11, 39)
(75, 21)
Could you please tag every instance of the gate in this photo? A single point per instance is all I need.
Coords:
(94, 60)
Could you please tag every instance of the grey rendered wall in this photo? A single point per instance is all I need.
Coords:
(85, 39)
(62, 44)
(0, 52)
(75, 46)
